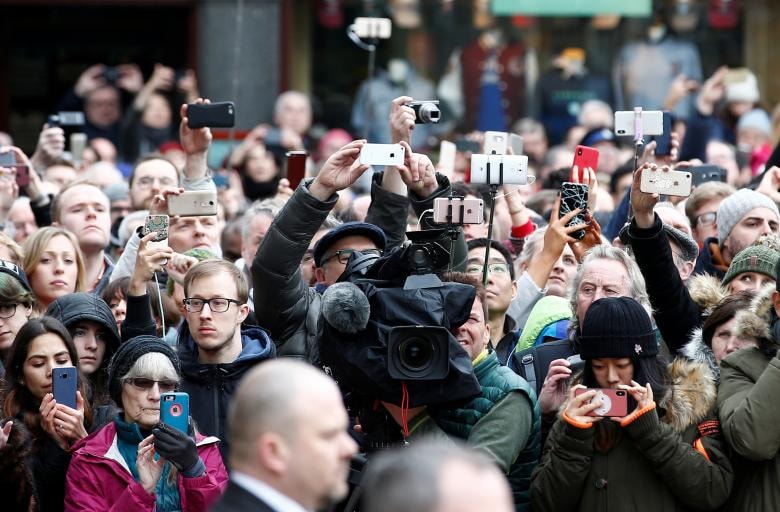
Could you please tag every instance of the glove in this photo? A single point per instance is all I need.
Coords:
(179, 449)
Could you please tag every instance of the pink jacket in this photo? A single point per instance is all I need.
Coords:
(99, 478)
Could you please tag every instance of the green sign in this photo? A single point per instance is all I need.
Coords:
(637, 8)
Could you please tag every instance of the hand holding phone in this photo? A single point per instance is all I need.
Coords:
(295, 167)
(574, 196)
(64, 383)
(665, 182)
(157, 224)
(585, 157)
(175, 410)
(382, 154)
(193, 203)
(613, 402)
(212, 115)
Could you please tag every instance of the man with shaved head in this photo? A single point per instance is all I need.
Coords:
(290, 450)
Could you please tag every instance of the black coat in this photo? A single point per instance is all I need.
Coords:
(238, 499)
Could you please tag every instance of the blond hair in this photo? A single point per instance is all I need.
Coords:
(36, 244)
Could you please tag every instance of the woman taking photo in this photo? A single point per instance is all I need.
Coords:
(667, 456)
(54, 265)
(48, 428)
(117, 467)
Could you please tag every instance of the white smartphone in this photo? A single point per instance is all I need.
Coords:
(382, 154)
(670, 183)
(193, 203)
(495, 143)
(157, 224)
(460, 210)
(513, 172)
(370, 28)
(652, 122)
(447, 152)
(78, 141)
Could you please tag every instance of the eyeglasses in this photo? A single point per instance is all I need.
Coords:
(7, 310)
(216, 305)
(344, 254)
(706, 219)
(493, 268)
(148, 181)
(142, 383)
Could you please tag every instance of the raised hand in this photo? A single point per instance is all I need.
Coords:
(643, 203)
(401, 120)
(578, 407)
(418, 172)
(193, 140)
(642, 394)
(553, 392)
(339, 171)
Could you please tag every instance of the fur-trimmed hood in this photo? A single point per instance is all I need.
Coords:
(706, 291)
(690, 397)
(698, 351)
(759, 321)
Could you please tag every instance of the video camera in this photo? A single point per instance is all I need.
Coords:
(387, 329)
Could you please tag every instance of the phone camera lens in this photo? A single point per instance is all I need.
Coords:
(620, 393)
(579, 152)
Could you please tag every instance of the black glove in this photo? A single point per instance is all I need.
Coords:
(178, 448)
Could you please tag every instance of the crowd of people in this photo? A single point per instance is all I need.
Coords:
(671, 303)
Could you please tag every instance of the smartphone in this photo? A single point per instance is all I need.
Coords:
(22, 175)
(193, 203)
(63, 385)
(663, 142)
(573, 196)
(213, 115)
(373, 28)
(175, 410)
(495, 143)
(670, 183)
(585, 157)
(652, 122)
(7, 159)
(459, 210)
(382, 154)
(516, 143)
(500, 170)
(78, 141)
(465, 145)
(614, 402)
(295, 167)
(66, 119)
(704, 173)
(447, 151)
(157, 224)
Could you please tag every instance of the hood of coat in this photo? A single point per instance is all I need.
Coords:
(75, 307)
(690, 398)
(706, 291)
(698, 351)
(760, 321)
(256, 346)
(691, 395)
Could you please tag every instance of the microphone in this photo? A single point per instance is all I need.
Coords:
(345, 307)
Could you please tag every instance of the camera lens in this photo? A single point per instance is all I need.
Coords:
(620, 393)
(416, 353)
(579, 152)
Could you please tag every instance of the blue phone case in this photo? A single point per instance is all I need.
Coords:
(175, 410)
(64, 385)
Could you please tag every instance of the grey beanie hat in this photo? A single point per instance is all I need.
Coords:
(734, 207)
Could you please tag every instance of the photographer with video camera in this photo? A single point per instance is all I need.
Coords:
(504, 421)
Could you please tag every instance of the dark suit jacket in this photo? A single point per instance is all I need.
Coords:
(238, 499)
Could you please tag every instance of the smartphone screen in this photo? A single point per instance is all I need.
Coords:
(295, 167)
(573, 196)
(663, 142)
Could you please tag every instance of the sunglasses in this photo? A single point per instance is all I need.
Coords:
(165, 386)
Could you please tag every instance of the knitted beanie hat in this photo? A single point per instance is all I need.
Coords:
(757, 119)
(761, 257)
(617, 327)
(734, 207)
(130, 352)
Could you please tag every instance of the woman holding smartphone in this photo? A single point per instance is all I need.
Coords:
(41, 431)
(667, 455)
(135, 462)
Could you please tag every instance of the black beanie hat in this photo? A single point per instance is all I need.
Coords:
(131, 351)
(617, 327)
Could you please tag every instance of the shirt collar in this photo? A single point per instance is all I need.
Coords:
(262, 491)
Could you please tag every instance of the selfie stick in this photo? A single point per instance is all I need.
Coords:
(493, 195)
(638, 143)
(371, 49)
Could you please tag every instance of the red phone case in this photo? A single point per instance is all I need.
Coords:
(615, 402)
(584, 157)
(296, 167)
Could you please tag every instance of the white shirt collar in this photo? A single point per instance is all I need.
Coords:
(273, 498)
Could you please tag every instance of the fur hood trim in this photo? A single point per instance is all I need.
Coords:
(706, 291)
(691, 395)
(756, 321)
(690, 398)
(698, 351)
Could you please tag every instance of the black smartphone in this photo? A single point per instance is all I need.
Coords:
(704, 173)
(295, 170)
(573, 196)
(212, 115)
(663, 142)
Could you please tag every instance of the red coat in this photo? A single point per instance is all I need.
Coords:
(511, 61)
(99, 480)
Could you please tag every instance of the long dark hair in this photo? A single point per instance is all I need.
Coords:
(647, 370)
(17, 398)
